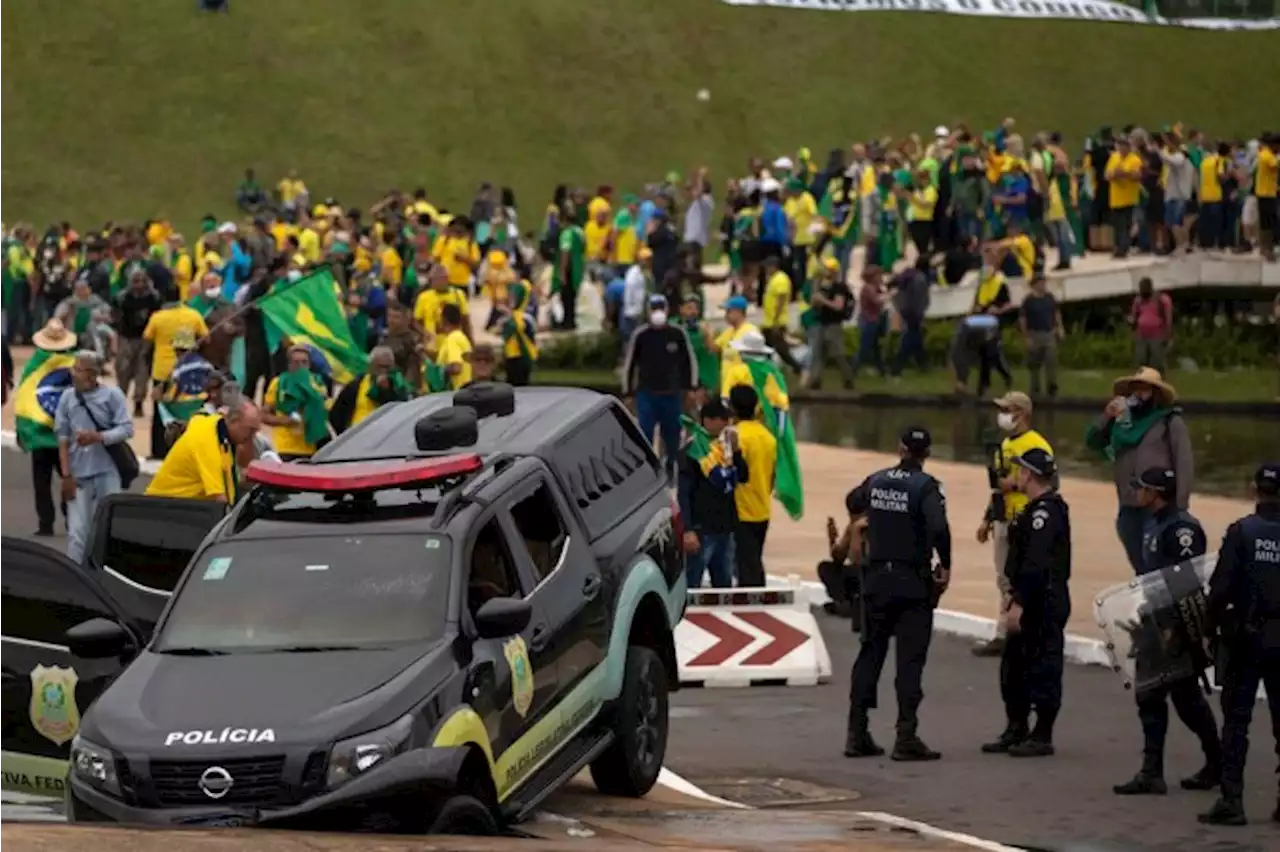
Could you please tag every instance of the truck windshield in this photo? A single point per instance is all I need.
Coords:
(319, 592)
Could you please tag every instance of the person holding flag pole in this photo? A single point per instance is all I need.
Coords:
(44, 379)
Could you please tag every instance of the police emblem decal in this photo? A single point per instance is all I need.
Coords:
(54, 713)
(517, 654)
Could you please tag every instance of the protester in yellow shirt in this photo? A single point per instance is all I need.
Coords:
(777, 301)
(457, 251)
(626, 236)
(602, 203)
(735, 316)
(291, 189)
(201, 463)
(309, 243)
(160, 330)
(598, 234)
(1124, 171)
(297, 412)
(391, 266)
(1022, 249)
(1264, 189)
(753, 498)
(1014, 420)
(426, 310)
(453, 350)
(498, 276)
(183, 267)
(921, 204)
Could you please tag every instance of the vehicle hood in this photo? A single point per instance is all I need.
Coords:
(188, 706)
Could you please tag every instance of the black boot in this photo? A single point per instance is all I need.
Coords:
(909, 747)
(1225, 811)
(1032, 746)
(858, 742)
(990, 648)
(1148, 782)
(1011, 736)
(1208, 778)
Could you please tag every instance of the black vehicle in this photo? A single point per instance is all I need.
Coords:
(448, 613)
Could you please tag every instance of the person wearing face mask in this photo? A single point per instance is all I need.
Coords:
(1037, 574)
(1142, 428)
(658, 369)
(364, 394)
(1007, 502)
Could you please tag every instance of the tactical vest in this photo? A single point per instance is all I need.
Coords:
(1260, 545)
(1154, 555)
(895, 520)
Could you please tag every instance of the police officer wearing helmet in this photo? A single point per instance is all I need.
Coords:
(1172, 536)
(906, 524)
(1038, 570)
(1244, 608)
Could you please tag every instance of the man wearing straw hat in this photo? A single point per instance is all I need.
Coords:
(46, 376)
(1139, 429)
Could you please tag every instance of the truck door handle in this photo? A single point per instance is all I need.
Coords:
(538, 640)
(591, 586)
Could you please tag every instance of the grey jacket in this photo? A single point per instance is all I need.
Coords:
(1170, 434)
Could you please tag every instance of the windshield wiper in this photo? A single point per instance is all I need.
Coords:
(311, 649)
(193, 652)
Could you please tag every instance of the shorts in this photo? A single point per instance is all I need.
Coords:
(1267, 214)
(1175, 209)
(1154, 208)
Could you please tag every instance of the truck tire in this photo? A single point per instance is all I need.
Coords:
(445, 429)
(489, 399)
(631, 765)
(464, 815)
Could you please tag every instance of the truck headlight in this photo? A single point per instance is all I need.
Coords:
(357, 755)
(94, 765)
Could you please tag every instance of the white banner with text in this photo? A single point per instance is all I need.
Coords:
(1073, 10)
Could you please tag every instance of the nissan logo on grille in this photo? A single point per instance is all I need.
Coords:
(216, 782)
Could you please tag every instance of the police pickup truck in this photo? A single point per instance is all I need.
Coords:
(449, 612)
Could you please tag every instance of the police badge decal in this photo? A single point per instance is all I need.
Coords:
(54, 713)
(517, 654)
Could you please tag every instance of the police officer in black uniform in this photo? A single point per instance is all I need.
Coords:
(1244, 608)
(906, 524)
(1038, 569)
(1172, 536)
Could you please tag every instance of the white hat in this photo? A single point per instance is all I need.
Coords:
(941, 132)
(752, 343)
(783, 163)
(227, 228)
(769, 185)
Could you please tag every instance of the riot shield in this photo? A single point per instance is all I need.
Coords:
(1155, 625)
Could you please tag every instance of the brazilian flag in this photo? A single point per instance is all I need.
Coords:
(308, 311)
(35, 402)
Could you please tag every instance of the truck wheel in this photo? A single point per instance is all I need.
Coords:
(631, 765)
(465, 815)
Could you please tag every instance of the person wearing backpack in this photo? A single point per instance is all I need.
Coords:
(831, 306)
(1151, 317)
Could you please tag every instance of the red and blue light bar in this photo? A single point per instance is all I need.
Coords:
(347, 477)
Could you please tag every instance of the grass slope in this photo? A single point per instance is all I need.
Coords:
(136, 108)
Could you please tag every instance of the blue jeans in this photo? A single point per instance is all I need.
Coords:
(714, 556)
(89, 492)
(1131, 523)
(911, 347)
(869, 345)
(663, 411)
(1065, 239)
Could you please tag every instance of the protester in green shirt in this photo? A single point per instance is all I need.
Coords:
(571, 264)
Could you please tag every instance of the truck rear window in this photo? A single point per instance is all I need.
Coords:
(321, 591)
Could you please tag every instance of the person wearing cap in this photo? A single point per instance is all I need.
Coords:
(89, 419)
(712, 466)
(1141, 428)
(658, 369)
(1038, 574)
(1007, 502)
(1244, 612)
(736, 325)
(906, 526)
(1172, 536)
(626, 234)
(637, 284)
(802, 214)
(831, 304)
(183, 393)
(44, 381)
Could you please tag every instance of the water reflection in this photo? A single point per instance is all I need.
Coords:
(1228, 448)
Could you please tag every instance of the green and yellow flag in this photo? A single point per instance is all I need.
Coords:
(35, 402)
(307, 311)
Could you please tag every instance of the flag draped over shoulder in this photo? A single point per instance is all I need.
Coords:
(35, 402)
(307, 311)
(788, 487)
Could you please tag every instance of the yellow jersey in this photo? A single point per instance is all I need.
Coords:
(1264, 182)
(430, 303)
(455, 348)
(290, 440)
(459, 256)
(801, 210)
(728, 355)
(1124, 190)
(754, 498)
(1010, 448)
(1211, 169)
(160, 331)
(200, 465)
(777, 295)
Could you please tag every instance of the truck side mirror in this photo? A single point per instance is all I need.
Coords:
(502, 617)
(98, 639)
